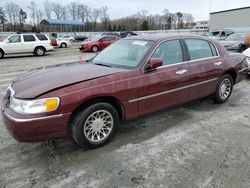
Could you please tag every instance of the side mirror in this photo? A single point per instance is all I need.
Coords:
(153, 63)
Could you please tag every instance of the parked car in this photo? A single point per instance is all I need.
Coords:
(38, 44)
(80, 38)
(98, 43)
(235, 42)
(111, 33)
(131, 78)
(53, 41)
(125, 34)
(61, 43)
(67, 38)
(247, 54)
(220, 34)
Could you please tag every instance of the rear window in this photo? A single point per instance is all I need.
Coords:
(200, 49)
(28, 38)
(41, 37)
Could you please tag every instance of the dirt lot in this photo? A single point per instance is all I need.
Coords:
(199, 144)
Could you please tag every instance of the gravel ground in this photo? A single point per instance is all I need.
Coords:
(200, 144)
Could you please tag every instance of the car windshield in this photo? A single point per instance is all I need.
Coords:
(235, 37)
(123, 54)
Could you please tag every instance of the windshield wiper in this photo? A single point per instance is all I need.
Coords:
(101, 64)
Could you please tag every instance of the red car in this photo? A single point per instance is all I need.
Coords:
(98, 43)
(53, 41)
(131, 78)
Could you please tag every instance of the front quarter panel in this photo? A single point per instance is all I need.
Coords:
(122, 86)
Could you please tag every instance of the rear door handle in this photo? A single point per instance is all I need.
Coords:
(218, 63)
(181, 71)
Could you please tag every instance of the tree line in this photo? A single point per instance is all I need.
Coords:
(94, 19)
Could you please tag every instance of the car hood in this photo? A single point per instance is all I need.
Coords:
(43, 80)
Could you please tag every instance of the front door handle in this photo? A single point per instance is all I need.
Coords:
(218, 63)
(181, 71)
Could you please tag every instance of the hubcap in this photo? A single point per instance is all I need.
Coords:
(225, 88)
(98, 126)
(39, 51)
(95, 49)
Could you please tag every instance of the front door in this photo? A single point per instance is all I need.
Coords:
(13, 44)
(166, 86)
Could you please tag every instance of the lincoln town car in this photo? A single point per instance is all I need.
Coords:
(131, 78)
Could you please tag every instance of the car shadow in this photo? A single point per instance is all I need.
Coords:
(142, 129)
(23, 56)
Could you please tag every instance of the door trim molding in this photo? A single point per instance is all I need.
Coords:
(171, 91)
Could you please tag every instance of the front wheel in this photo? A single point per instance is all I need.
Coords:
(224, 89)
(95, 126)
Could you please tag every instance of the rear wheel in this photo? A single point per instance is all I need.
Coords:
(1, 54)
(224, 89)
(39, 51)
(95, 126)
(94, 49)
(63, 45)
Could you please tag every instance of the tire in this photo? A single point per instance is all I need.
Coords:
(63, 45)
(94, 49)
(88, 129)
(242, 48)
(1, 54)
(224, 89)
(39, 51)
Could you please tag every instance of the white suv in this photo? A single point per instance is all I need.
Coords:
(25, 43)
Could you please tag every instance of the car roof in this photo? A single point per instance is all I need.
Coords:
(163, 36)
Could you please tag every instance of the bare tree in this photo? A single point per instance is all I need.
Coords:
(81, 12)
(47, 8)
(95, 16)
(104, 17)
(39, 16)
(32, 8)
(12, 11)
(57, 9)
(64, 13)
(73, 9)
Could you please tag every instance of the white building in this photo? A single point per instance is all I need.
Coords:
(202, 25)
(234, 18)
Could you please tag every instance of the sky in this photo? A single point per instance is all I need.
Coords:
(120, 8)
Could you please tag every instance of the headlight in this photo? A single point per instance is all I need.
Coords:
(34, 106)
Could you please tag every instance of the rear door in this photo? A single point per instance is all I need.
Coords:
(205, 65)
(29, 43)
(166, 86)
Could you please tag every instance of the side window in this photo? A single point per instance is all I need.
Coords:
(170, 52)
(28, 38)
(198, 49)
(41, 37)
(214, 51)
(15, 39)
(104, 39)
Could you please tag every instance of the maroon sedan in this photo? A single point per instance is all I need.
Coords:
(98, 43)
(131, 78)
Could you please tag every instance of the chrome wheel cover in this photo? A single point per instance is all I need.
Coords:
(225, 88)
(98, 126)
(95, 49)
(40, 51)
